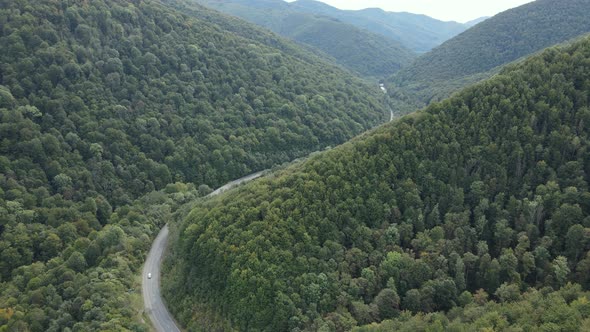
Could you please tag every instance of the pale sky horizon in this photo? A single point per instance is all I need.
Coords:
(445, 10)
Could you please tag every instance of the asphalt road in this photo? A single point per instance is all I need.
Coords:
(234, 183)
(154, 306)
(152, 300)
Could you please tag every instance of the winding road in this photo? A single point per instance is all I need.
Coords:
(154, 306)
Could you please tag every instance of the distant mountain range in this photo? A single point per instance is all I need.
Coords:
(419, 33)
(364, 52)
(482, 50)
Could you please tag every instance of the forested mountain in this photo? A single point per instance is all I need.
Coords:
(473, 214)
(104, 101)
(480, 51)
(417, 32)
(361, 51)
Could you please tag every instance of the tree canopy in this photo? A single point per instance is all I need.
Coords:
(457, 215)
(103, 102)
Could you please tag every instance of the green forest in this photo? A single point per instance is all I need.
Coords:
(112, 114)
(473, 55)
(419, 33)
(471, 215)
(120, 116)
(364, 52)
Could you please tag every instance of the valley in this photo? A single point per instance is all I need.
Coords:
(450, 208)
(483, 50)
(395, 172)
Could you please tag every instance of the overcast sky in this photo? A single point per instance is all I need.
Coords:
(446, 10)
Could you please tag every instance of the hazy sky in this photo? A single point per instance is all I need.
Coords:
(447, 10)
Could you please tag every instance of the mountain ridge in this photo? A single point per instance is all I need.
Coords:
(418, 32)
(504, 38)
(440, 220)
(363, 52)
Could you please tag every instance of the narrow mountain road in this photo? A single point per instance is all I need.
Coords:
(153, 304)
(234, 183)
(391, 116)
(152, 300)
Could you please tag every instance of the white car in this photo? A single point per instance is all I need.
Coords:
(149, 275)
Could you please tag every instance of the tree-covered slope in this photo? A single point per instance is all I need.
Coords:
(535, 310)
(475, 199)
(104, 101)
(361, 51)
(506, 37)
(419, 33)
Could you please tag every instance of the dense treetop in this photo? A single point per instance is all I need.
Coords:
(535, 310)
(104, 101)
(496, 41)
(466, 215)
(359, 50)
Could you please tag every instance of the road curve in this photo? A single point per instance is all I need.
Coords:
(154, 306)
